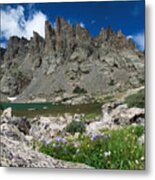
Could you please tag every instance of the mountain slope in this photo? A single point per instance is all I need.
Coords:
(68, 62)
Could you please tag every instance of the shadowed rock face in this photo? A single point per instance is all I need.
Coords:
(2, 52)
(50, 38)
(68, 57)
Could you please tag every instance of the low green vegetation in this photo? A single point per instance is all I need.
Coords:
(136, 100)
(79, 90)
(115, 149)
(108, 98)
(111, 83)
(75, 126)
(105, 99)
(89, 117)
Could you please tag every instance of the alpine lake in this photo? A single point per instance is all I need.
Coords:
(49, 109)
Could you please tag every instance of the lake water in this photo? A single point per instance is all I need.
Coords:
(47, 109)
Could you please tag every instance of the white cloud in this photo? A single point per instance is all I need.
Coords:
(14, 22)
(82, 25)
(35, 24)
(129, 36)
(139, 40)
(3, 45)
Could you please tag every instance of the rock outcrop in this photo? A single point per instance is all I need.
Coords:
(116, 115)
(67, 58)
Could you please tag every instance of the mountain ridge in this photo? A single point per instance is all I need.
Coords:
(68, 58)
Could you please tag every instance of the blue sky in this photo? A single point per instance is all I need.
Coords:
(22, 19)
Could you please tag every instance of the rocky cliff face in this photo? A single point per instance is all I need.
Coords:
(69, 59)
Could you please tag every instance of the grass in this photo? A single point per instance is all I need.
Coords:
(89, 117)
(136, 100)
(105, 99)
(115, 149)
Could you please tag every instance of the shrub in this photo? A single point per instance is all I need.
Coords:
(111, 83)
(79, 90)
(115, 149)
(136, 100)
(75, 126)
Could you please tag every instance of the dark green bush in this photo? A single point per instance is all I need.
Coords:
(136, 100)
(79, 90)
(111, 83)
(76, 126)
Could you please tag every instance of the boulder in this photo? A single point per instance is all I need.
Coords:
(7, 114)
(11, 132)
(45, 129)
(21, 123)
(118, 113)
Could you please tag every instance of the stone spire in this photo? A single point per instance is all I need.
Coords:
(131, 44)
(109, 33)
(50, 37)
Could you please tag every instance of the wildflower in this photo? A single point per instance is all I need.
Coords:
(64, 140)
(94, 137)
(106, 154)
(142, 158)
(136, 161)
(102, 134)
(58, 139)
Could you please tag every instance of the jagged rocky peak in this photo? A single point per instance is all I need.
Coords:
(120, 40)
(50, 38)
(120, 34)
(14, 45)
(109, 33)
(62, 27)
(131, 44)
(61, 38)
(64, 34)
(37, 42)
(65, 39)
(102, 33)
(36, 37)
(101, 37)
(82, 34)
